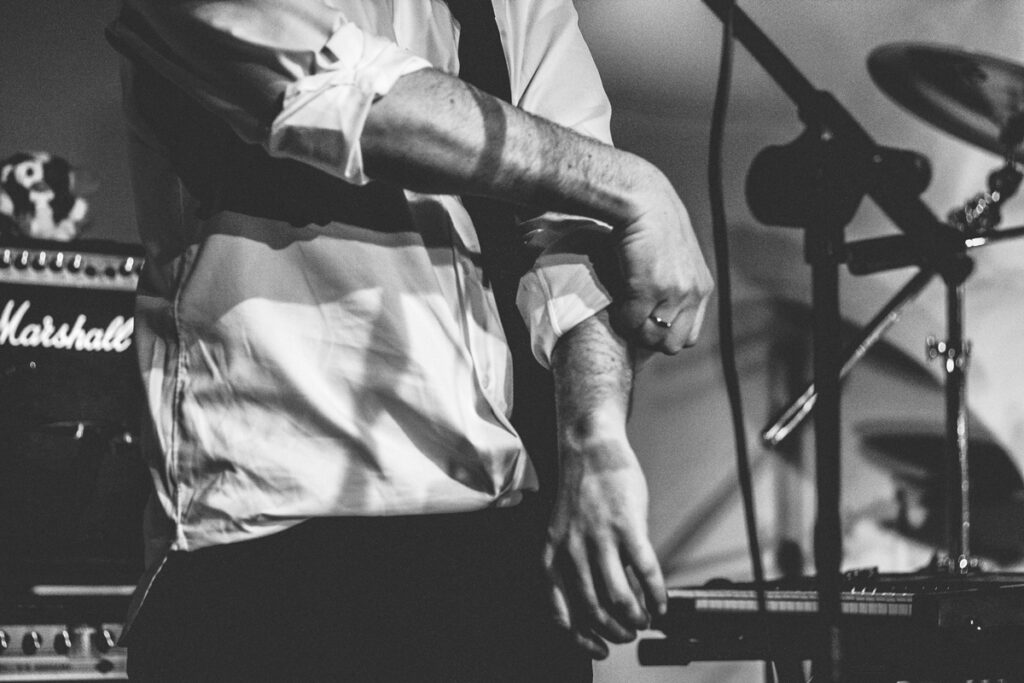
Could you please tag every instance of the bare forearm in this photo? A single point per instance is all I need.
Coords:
(593, 379)
(435, 133)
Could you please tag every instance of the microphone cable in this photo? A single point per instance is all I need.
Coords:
(727, 346)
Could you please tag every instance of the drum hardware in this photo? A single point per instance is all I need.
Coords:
(884, 253)
(837, 163)
(869, 252)
(981, 214)
(816, 183)
(980, 99)
(977, 220)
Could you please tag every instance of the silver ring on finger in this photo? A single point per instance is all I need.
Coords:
(659, 321)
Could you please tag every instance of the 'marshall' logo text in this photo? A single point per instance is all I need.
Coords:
(117, 337)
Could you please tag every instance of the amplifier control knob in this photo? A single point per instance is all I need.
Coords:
(23, 259)
(57, 263)
(129, 265)
(4, 642)
(75, 263)
(31, 643)
(40, 260)
(6, 258)
(62, 642)
(104, 640)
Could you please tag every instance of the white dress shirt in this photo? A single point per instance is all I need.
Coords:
(334, 369)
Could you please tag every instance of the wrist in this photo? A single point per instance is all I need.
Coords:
(592, 431)
(643, 182)
(581, 176)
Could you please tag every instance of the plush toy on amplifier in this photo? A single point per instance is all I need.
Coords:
(39, 198)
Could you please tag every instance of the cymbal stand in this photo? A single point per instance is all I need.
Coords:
(977, 217)
(955, 352)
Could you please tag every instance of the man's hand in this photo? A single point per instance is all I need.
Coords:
(667, 284)
(605, 578)
(605, 581)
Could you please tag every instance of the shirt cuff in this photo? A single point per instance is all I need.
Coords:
(323, 114)
(561, 291)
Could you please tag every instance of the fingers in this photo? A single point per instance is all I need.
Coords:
(583, 637)
(696, 322)
(636, 320)
(678, 332)
(629, 316)
(638, 590)
(643, 561)
(620, 597)
(658, 326)
(596, 599)
(583, 592)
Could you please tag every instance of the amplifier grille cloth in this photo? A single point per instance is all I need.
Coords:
(72, 484)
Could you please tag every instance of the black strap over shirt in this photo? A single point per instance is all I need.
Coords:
(505, 259)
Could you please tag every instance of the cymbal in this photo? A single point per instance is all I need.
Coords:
(976, 97)
(913, 453)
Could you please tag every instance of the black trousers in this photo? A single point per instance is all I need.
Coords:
(454, 597)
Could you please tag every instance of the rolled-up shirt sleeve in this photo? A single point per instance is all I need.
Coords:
(297, 78)
(558, 293)
(323, 114)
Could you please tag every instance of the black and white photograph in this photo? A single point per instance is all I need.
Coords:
(523, 341)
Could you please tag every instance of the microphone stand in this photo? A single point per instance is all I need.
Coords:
(833, 131)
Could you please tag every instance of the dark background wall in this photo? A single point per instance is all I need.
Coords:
(59, 93)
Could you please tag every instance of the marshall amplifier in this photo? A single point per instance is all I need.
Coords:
(72, 485)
